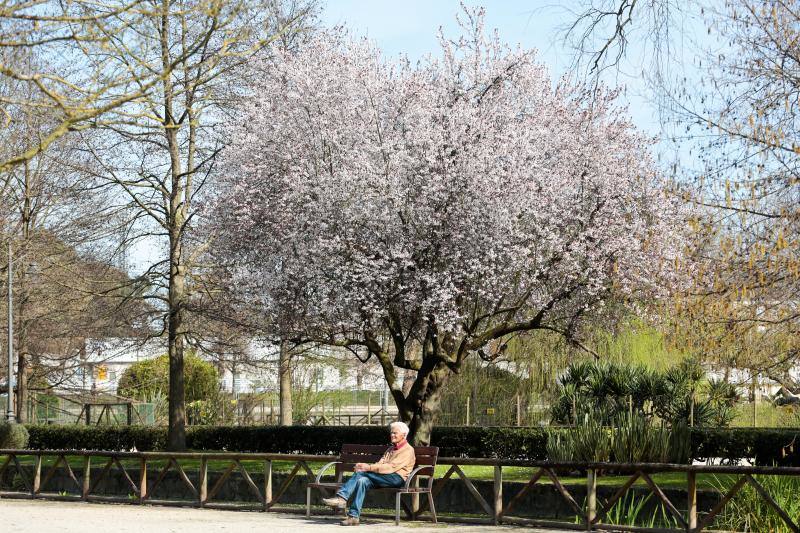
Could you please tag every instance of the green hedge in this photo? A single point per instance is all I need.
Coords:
(506, 443)
(768, 446)
(57, 437)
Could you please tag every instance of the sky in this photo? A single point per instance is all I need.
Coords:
(410, 27)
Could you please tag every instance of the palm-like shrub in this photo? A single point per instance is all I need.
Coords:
(635, 439)
(609, 390)
(589, 441)
(632, 438)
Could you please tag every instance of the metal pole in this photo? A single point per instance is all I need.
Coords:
(10, 401)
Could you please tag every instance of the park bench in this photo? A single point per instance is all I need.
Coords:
(362, 453)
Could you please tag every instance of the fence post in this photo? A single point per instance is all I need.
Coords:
(691, 507)
(37, 475)
(142, 479)
(498, 493)
(129, 412)
(267, 484)
(88, 414)
(369, 408)
(591, 498)
(87, 477)
(519, 411)
(466, 422)
(203, 492)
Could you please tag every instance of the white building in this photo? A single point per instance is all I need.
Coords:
(103, 361)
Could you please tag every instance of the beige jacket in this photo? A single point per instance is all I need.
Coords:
(396, 461)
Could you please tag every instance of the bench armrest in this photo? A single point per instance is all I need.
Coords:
(413, 474)
(324, 468)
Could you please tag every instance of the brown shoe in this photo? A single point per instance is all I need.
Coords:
(349, 521)
(337, 502)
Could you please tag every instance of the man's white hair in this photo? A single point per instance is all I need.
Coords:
(401, 426)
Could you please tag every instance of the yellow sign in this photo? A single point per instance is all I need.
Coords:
(490, 410)
(102, 373)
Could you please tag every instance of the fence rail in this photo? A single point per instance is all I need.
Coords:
(592, 514)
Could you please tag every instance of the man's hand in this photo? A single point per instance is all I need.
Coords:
(361, 467)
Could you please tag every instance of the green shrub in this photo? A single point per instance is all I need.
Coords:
(144, 379)
(636, 439)
(675, 395)
(13, 436)
(768, 446)
(680, 444)
(57, 437)
(203, 412)
(587, 441)
(505, 443)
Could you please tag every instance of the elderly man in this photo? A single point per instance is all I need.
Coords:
(391, 471)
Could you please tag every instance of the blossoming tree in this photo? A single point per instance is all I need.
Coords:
(422, 214)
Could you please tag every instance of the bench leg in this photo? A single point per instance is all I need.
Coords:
(397, 509)
(430, 504)
(308, 501)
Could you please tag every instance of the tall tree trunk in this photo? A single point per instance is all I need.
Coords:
(176, 439)
(177, 300)
(175, 221)
(22, 387)
(22, 266)
(423, 402)
(285, 381)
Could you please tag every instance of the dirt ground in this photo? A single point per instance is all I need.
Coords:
(25, 516)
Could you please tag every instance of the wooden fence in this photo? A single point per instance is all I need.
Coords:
(592, 514)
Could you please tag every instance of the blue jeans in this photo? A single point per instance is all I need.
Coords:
(358, 485)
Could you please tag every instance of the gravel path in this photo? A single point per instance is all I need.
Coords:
(25, 516)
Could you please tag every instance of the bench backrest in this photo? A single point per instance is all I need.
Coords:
(371, 453)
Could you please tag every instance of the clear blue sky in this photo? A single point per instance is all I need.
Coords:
(410, 27)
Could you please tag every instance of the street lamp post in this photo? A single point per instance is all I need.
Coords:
(10, 397)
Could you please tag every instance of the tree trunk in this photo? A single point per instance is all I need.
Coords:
(177, 299)
(408, 381)
(22, 388)
(177, 206)
(423, 403)
(285, 380)
(22, 362)
(176, 439)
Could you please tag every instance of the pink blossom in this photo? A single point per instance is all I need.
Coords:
(467, 197)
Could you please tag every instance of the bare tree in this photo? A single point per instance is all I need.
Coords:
(735, 122)
(600, 32)
(58, 221)
(160, 150)
(73, 80)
